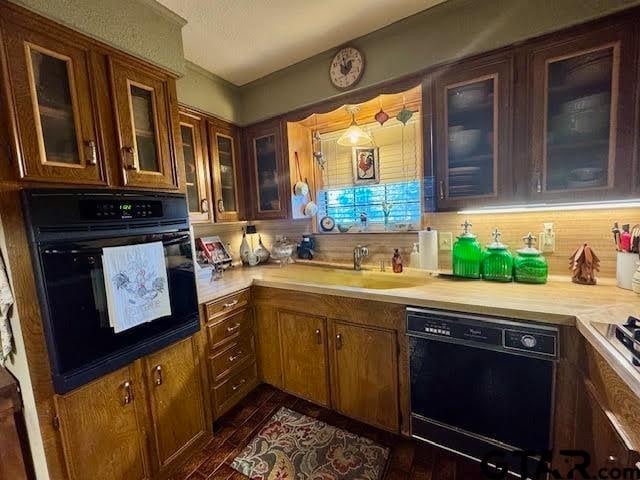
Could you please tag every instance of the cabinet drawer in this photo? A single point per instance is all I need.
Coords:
(230, 391)
(229, 327)
(232, 358)
(227, 304)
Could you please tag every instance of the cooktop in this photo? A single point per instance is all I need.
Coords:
(625, 338)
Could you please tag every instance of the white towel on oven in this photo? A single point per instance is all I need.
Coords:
(6, 300)
(135, 279)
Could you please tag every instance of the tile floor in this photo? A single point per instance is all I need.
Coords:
(407, 460)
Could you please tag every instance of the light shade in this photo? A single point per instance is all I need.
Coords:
(354, 136)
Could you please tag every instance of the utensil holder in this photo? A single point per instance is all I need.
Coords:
(625, 268)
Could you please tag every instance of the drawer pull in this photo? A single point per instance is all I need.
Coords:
(128, 395)
(233, 328)
(233, 358)
(238, 385)
(230, 304)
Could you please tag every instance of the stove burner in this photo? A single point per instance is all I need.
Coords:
(629, 335)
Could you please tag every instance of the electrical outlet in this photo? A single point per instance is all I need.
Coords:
(445, 241)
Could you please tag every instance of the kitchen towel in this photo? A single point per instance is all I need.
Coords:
(135, 279)
(428, 248)
(6, 300)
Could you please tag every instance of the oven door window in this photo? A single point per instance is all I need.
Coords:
(76, 300)
(493, 394)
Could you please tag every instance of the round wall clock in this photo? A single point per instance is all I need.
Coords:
(327, 224)
(346, 68)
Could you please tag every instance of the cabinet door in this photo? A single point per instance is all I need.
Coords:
(365, 374)
(101, 436)
(304, 355)
(175, 393)
(473, 133)
(141, 101)
(269, 172)
(581, 106)
(597, 433)
(56, 118)
(224, 141)
(196, 166)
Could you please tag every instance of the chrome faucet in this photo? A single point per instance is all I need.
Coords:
(358, 255)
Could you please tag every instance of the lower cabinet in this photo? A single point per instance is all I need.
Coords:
(303, 340)
(136, 422)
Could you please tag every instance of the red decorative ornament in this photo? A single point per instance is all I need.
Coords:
(381, 117)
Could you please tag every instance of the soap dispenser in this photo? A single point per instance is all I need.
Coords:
(414, 259)
(497, 263)
(467, 254)
(529, 265)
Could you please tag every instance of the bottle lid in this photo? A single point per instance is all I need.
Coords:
(496, 244)
(529, 249)
(466, 233)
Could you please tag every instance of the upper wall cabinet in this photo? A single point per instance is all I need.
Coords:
(473, 121)
(581, 96)
(142, 105)
(224, 145)
(269, 171)
(49, 80)
(196, 166)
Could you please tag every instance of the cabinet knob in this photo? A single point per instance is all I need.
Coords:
(539, 183)
(221, 206)
(318, 336)
(128, 154)
(128, 394)
(92, 152)
(441, 189)
(338, 341)
(612, 459)
(158, 373)
(204, 205)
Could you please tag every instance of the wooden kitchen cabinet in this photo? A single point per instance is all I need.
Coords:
(142, 100)
(49, 79)
(303, 343)
(176, 399)
(196, 164)
(581, 106)
(473, 124)
(101, 430)
(224, 146)
(270, 185)
(365, 373)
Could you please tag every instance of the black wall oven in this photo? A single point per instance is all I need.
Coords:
(67, 232)
(482, 384)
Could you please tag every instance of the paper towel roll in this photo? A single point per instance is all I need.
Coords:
(428, 247)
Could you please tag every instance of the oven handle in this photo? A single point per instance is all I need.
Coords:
(98, 251)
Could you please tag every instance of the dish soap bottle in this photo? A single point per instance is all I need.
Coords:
(467, 254)
(497, 264)
(529, 265)
(396, 262)
(414, 259)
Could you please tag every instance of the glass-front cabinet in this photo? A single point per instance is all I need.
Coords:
(196, 166)
(472, 132)
(141, 101)
(580, 148)
(270, 175)
(51, 86)
(225, 162)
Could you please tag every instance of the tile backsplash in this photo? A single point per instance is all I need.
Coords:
(572, 229)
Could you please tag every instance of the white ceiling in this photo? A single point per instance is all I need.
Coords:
(243, 40)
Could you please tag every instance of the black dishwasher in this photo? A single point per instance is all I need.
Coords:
(481, 384)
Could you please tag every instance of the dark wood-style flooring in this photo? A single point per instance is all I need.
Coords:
(407, 459)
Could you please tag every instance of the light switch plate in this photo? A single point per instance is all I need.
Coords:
(445, 241)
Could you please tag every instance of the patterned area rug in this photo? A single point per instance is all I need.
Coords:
(292, 446)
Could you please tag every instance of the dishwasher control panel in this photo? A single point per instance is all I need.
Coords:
(528, 341)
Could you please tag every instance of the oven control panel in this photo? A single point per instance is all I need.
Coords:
(120, 209)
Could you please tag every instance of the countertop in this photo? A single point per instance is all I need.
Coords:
(559, 301)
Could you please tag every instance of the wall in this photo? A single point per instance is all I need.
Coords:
(205, 91)
(143, 28)
(451, 30)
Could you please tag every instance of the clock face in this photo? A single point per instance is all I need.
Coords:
(346, 67)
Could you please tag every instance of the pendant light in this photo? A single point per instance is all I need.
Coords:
(354, 136)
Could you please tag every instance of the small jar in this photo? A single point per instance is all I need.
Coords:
(497, 263)
(529, 264)
(467, 254)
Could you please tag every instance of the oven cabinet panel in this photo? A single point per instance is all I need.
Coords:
(270, 192)
(226, 168)
(473, 122)
(49, 81)
(175, 391)
(196, 166)
(101, 433)
(143, 105)
(364, 372)
(598, 433)
(305, 366)
(581, 106)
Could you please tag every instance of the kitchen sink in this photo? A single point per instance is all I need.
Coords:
(348, 278)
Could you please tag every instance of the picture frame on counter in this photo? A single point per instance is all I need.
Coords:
(211, 251)
(366, 165)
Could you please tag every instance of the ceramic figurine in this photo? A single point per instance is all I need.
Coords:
(584, 264)
(244, 249)
(396, 262)
(261, 251)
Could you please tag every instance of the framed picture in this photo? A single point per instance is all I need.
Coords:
(366, 168)
(212, 251)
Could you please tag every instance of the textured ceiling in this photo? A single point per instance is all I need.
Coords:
(243, 40)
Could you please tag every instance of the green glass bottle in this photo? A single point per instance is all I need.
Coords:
(529, 265)
(467, 254)
(497, 262)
